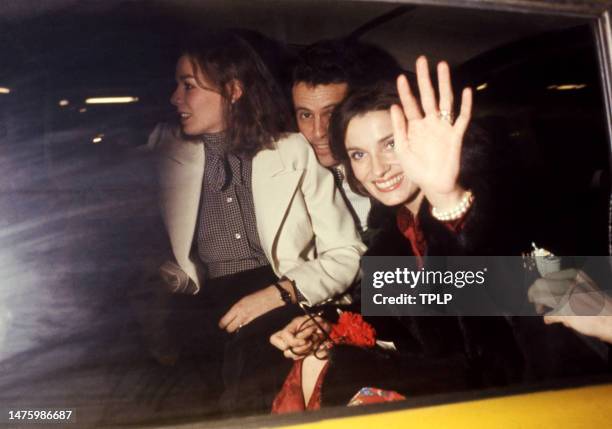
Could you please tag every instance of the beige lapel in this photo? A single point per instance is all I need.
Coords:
(274, 186)
(181, 170)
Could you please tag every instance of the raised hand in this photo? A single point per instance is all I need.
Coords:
(427, 141)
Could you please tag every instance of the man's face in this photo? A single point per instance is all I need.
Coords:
(313, 107)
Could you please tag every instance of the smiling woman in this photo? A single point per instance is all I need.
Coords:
(369, 137)
(412, 159)
(398, 163)
(84, 309)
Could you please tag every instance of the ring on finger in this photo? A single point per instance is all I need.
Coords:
(295, 353)
(446, 115)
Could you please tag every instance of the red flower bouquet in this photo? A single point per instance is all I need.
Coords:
(352, 329)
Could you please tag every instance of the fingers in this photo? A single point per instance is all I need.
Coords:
(291, 340)
(544, 295)
(284, 340)
(546, 288)
(302, 349)
(566, 274)
(291, 346)
(409, 102)
(300, 337)
(426, 90)
(585, 280)
(585, 301)
(288, 352)
(312, 332)
(298, 322)
(233, 320)
(398, 122)
(227, 318)
(306, 333)
(550, 319)
(400, 137)
(445, 87)
(400, 133)
(235, 325)
(548, 293)
(324, 324)
(465, 113)
(290, 355)
(428, 94)
(277, 341)
(323, 351)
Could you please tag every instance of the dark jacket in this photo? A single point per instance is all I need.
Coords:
(446, 353)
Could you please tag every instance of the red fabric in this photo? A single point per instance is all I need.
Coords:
(352, 329)
(373, 395)
(290, 399)
(410, 227)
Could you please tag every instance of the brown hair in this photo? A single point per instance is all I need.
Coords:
(260, 116)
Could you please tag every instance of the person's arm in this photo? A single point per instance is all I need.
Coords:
(429, 149)
(257, 303)
(594, 326)
(337, 242)
(250, 307)
(338, 245)
(575, 301)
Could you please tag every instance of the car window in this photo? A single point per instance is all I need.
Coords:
(83, 86)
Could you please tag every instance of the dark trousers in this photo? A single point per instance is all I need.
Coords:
(244, 367)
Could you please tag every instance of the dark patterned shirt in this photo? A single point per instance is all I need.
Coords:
(227, 239)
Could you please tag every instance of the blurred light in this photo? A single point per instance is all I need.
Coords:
(82, 110)
(97, 139)
(567, 87)
(111, 100)
(4, 90)
(63, 103)
(482, 87)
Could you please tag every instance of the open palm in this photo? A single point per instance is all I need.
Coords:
(428, 144)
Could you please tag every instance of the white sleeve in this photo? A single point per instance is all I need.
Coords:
(338, 245)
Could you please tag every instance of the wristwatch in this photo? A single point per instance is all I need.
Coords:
(284, 294)
(299, 296)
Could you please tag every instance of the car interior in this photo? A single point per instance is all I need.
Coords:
(84, 83)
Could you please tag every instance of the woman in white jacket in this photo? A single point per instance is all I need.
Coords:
(255, 223)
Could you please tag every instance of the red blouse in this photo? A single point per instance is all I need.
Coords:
(290, 399)
(410, 227)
